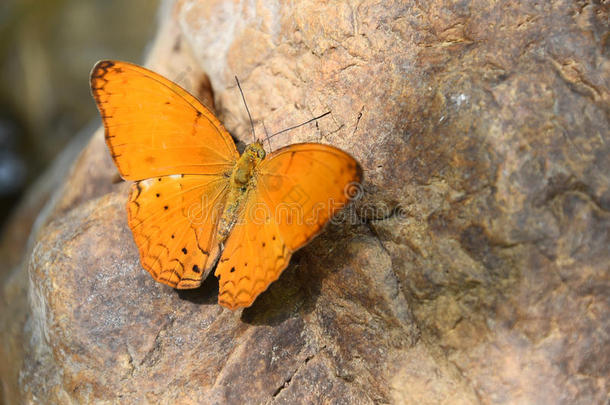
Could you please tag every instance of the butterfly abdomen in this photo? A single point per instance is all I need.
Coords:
(229, 215)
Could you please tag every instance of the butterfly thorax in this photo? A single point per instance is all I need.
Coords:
(241, 179)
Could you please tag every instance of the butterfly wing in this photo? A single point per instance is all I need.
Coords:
(298, 189)
(180, 156)
(154, 127)
(174, 221)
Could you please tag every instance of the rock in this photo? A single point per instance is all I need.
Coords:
(15, 247)
(473, 270)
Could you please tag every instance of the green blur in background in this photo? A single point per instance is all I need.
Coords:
(47, 49)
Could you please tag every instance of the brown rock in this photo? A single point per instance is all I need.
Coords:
(474, 269)
(15, 247)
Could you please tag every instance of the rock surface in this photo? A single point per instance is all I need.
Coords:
(473, 270)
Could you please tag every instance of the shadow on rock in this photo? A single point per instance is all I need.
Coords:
(206, 294)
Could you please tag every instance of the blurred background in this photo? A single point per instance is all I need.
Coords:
(47, 49)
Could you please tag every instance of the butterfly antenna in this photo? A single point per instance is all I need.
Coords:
(267, 136)
(300, 125)
(246, 104)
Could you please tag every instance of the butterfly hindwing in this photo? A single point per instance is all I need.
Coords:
(174, 221)
(154, 127)
(253, 258)
(297, 190)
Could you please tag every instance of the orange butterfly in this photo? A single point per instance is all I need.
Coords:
(196, 203)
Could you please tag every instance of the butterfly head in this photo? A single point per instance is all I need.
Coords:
(255, 151)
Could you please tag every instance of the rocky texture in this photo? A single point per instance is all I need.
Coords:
(474, 269)
(16, 241)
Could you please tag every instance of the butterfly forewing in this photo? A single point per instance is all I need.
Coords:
(154, 127)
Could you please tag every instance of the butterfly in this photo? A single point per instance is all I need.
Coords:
(196, 204)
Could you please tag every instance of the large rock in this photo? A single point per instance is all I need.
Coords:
(473, 270)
